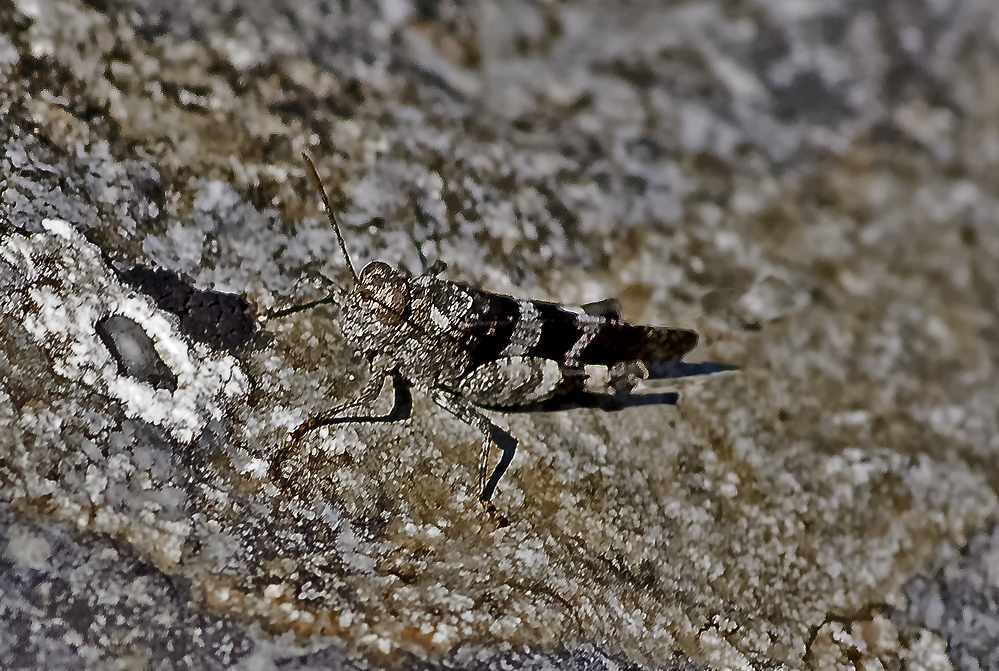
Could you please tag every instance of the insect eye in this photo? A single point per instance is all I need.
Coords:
(381, 284)
(375, 271)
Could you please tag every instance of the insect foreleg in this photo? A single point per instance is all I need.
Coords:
(491, 434)
(436, 268)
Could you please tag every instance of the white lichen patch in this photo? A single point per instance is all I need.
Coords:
(57, 289)
(61, 317)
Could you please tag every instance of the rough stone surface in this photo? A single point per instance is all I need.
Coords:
(810, 185)
(960, 601)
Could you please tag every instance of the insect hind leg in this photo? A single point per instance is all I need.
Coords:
(506, 443)
(492, 435)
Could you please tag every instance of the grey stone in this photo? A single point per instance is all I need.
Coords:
(808, 185)
(135, 352)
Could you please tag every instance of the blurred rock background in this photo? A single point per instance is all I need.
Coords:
(811, 185)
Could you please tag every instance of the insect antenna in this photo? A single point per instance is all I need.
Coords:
(339, 236)
(329, 213)
(277, 314)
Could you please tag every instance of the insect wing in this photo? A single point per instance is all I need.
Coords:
(652, 345)
(496, 326)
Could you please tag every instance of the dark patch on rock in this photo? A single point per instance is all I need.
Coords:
(429, 80)
(220, 320)
(637, 73)
(101, 6)
(299, 103)
(713, 177)
(194, 98)
(912, 69)
(15, 26)
(45, 73)
(149, 204)
(807, 98)
(960, 603)
(133, 349)
(834, 27)
(769, 47)
(686, 74)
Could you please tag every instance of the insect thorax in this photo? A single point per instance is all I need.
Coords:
(421, 344)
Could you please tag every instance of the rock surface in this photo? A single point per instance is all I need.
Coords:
(810, 185)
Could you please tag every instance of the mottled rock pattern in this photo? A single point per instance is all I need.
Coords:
(809, 185)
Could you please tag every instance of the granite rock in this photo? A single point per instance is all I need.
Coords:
(809, 185)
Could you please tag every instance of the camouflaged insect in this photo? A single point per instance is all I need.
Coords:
(466, 347)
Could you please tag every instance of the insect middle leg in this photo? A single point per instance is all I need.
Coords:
(402, 408)
(492, 435)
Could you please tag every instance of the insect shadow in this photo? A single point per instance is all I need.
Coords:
(470, 349)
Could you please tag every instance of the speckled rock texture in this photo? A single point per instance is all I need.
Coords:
(812, 185)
